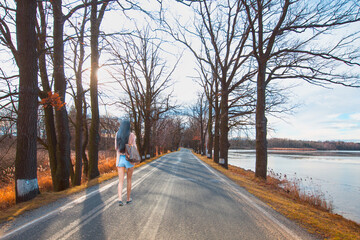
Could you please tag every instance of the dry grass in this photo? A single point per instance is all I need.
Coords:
(9, 210)
(314, 218)
(7, 196)
(294, 188)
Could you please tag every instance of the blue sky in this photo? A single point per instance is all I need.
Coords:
(331, 113)
(323, 114)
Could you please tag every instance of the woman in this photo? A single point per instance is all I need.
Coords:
(124, 136)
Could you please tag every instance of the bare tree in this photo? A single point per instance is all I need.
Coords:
(78, 49)
(63, 165)
(7, 123)
(85, 139)
(131, 99)
(190, 136)
(168, 133)
(62, 122)
(109, 126)
(199, 113)
(210, 84)
(51, 142)
(60, 162)
(145, 80)
(287, 39)
(8, 104)
(94, 137)
(9, 91)
(223, 34)
(42, 49)
(26, 183)
(79, 101)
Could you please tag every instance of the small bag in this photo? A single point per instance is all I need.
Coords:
(132, 154)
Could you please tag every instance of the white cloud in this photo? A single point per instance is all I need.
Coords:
(355, 116)
(333, 116)
(343, 125)
(325, 114)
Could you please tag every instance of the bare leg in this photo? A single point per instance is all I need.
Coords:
(121, 173)
(128, 178)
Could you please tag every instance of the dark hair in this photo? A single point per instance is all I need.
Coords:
(122, 136)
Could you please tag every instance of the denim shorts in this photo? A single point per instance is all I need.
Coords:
(123, 162)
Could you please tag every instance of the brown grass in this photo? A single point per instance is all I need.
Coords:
(9, 210)
(292, 187)
(316, 219)
(7, 196)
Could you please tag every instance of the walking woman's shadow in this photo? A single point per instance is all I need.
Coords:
(92, 225)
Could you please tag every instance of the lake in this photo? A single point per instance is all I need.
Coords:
(336, 173)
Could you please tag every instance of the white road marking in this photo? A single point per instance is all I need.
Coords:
(152, 225)
(71, 204)
(76, 225)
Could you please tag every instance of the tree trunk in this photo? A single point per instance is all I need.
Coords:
(94, 137)
(217, 131)
(85, 140)
(51, 139)
(78, 130)
(62, 121)
(49, 110)
(79, 110)
(147, 132)
(137, 129)
(261, 123)
(224, 128)
(147, 118)
(153, 138)
(201, 120)
(26, 184)
(210, 135)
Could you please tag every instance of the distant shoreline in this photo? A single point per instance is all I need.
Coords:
(293, 149)
(304, 151)
(295, 145)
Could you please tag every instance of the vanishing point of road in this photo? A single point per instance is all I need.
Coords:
(174, 197)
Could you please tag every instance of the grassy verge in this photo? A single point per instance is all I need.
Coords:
(313, 218)
(10, 210)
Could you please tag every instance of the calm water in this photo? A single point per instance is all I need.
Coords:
(336, 173)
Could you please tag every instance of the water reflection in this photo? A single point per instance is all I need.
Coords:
(336, 173)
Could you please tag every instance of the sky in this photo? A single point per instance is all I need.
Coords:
(322, 114)
(330, 113)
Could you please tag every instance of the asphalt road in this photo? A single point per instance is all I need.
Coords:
(174, 197)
